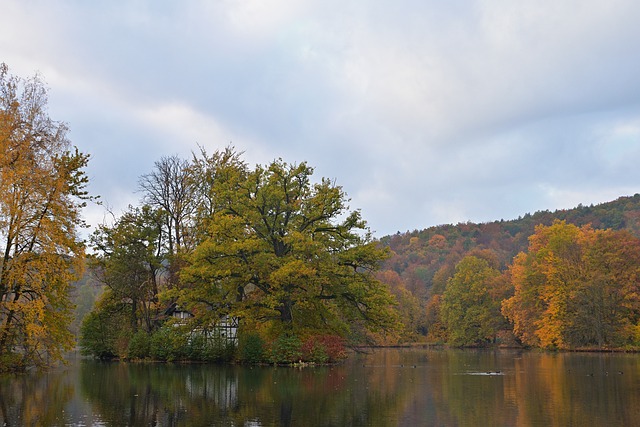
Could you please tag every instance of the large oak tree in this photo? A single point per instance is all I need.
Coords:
(286, 253)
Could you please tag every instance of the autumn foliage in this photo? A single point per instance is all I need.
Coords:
(324, 349)
(596, 311)
(286, 255)
(576, 287)
(42, 186)
(266, 245)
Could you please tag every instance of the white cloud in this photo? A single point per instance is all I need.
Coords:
(262, 18)
(182, 124)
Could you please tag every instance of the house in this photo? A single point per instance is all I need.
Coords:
(224, 330)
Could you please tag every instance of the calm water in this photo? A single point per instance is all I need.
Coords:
(390, 387)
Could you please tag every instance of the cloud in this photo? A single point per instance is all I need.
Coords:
(425, 112)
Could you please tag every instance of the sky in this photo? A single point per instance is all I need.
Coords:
(425, 112)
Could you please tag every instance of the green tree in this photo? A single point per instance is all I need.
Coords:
(204, 172)
(106, 330)
(129, 262)
(42, 191)
(286, 254)
(470, 307)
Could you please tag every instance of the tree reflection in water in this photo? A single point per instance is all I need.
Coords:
(393, 387)
(158, 394)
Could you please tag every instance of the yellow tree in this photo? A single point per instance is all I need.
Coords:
(42, 190)
(605, 306)
(544, 279)
(524, 307)
(575, 287)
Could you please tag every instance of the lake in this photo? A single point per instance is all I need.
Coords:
(385, 387)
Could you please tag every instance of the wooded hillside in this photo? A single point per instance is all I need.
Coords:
(423, 261)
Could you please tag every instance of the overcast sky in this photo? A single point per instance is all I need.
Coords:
(426, 112)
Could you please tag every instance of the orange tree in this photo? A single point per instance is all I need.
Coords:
(576, 287)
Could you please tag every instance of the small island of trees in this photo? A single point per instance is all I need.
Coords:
(283, 257)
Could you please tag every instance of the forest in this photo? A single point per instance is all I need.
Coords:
(225, 261)
(560, 262)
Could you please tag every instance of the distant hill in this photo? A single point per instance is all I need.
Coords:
(422, 261)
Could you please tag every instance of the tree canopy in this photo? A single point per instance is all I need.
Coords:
(422, 261)
(286, 254)
(471, 302)
(128, 262)
(576, 287)
(42, 191)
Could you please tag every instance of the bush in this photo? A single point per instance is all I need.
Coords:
(335, 347)
(168, 343)
(252, 348)
(11, 362)
(196, 347)
(139, 345)
(324, 349)
(202, 348)
(313, 351)
(286, 349)
(97, 337)
(219, 351)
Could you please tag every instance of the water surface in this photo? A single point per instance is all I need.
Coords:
(387, 387)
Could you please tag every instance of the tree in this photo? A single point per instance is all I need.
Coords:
(409, 307)
(169, 191)
(286, 253)
(204, 172)
(42, 191)
(470, 307)
(128, 262)
(576, 287)
(607, 302)
(436, 330)
(105, 332)
(84, 295)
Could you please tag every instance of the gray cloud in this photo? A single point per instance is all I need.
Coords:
(425, 112)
